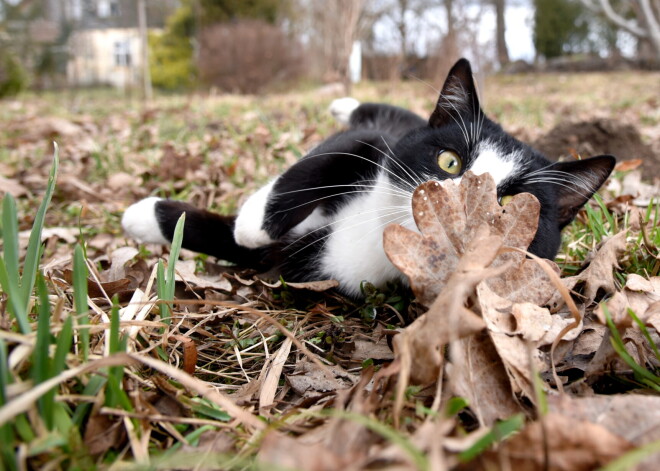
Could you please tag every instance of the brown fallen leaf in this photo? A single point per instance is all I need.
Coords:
(309, 378)
(515, 352)
(185, 271)
(96, 290)
(11, 186)
(449, 217)
(571, 445)
(447, 319)
(600, 272)
(104, 432)
(189, 353)
(476, 373)
(634, 417)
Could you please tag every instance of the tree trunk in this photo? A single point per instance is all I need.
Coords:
(502, 52)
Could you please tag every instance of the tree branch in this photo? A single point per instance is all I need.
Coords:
(630, 26)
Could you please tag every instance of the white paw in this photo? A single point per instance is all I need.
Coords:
(139, 221)
(248, 230)
(341, 109)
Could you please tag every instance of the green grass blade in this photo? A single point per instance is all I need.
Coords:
(34, 245)
(166, 284)
(5, 375)
(10, 235)
(617, 344)
(93, 387)
(499, 432)
(161, 288)
(116, 395)
(10, 284)
(177, 240)
(645, 332)
(80, 297)
(632, 458)
(63, 346)
(41, 359)
(7, 457)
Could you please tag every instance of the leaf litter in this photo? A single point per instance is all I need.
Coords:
(482, 328)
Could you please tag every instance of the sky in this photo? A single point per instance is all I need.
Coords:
(518, 18)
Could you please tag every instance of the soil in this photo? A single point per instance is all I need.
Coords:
(600, 136)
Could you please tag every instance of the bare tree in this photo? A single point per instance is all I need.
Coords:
(330, 28)
(500, 30)
(645, 26)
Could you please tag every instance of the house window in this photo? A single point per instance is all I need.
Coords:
(103, 8)
(107, 8)
(76, 9)
(123, 53)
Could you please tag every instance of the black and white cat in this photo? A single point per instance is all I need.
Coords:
(324, 217)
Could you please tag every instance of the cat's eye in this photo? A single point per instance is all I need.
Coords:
(506, 199)
(449, 161)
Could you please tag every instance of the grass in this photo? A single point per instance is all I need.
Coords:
(53, 328)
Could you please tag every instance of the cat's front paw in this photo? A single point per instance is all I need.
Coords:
(248, 228)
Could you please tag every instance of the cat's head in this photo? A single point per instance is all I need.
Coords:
(460, 137)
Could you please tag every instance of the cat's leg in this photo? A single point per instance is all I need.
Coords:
(341, 167)
(153, 220)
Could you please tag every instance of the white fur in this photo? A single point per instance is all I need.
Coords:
(314, 221)
(341, 109)
(139, 221)
(491, 160)
(358, 236)
(248, 229)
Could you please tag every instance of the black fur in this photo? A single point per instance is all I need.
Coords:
(384, 138)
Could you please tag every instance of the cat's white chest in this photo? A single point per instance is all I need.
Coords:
(354, 251)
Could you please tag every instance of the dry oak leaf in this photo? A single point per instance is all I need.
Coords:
(476, 373)
(449, 217)
(633, 417)
(515, 352)
(571, 445)
(599, 274)
(447, 318)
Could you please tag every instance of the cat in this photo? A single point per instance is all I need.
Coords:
(324, 217)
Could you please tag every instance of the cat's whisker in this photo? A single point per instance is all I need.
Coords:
(460, 125)
(385, 208)
(582, 180)
(368, 160)
(415, 178)
(320, 239)
(378, 226)
(391, 157)
(392, 188)
(338, 194)
(561, 183)
(383, 225)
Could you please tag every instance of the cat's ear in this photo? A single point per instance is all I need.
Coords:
(584, 179)
(458, 98)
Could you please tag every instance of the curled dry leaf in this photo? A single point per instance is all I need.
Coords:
(513, 350)
(633, 417)
(600, 272)
(185, 271)
(476, 373)
(309, 378)
(641, 295)
(447, 319)
(571, 445)
(189, 353)
(449, 217)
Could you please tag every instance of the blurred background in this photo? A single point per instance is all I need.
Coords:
(259, 46)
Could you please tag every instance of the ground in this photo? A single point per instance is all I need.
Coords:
(233, 332)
